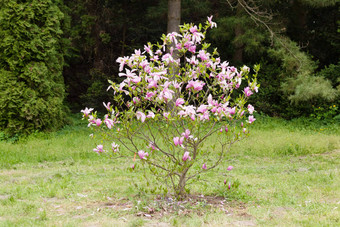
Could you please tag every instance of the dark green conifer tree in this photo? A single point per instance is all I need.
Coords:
(31, 63)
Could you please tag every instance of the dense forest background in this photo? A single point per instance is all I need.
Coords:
(56, 56)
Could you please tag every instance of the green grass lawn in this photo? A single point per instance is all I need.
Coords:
(288, 174)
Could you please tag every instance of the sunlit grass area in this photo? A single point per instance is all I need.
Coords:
(288, 174)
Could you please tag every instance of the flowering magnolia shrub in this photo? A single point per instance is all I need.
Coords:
(173, 97)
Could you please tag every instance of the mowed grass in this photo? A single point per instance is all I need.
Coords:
(288, 174)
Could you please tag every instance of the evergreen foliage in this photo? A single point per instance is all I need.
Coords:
(301, 84)
(319, 3)
(31, 63)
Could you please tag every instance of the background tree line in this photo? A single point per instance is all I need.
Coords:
(58, 52)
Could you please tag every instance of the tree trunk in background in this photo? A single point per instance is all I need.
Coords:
(299, 21)
(174, 20)
(238, 45)
(174, 15)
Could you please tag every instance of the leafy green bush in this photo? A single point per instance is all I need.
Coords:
(31, 63)
(331, 73)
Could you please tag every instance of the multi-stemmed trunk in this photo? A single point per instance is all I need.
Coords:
(180, 190)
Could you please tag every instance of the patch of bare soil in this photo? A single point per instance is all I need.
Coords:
(193, 204)
(329, 153)
(244, 223)
(3, 197)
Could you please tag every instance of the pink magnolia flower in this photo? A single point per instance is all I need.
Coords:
(247, 91)
(250, 109)
(115, 147)
(179, 101)
(251, 119)
(193, 29)
(122, 62)
(226, 129)
(166, 84)
(224, 65)
(212, 102)
(188, 44)
(128, 73)
(140, 115)
(212, 24)
(188, 111)
(91, 121)
(232, 110)
(144, 64)
(98, 122)
(173, 36)
(137, 53)
(109, 122)
(192, 49)
(148, 49)
(238, 82)
(158, 75)
(158, 52)
(167, 58)
(203, 55)
(196, 84)
(209, 64)
(196, 36)
(230, 168)
(152, 84)
(166, 115)
(152, 146)
(135, 100)
(121, 86)
(204, 166)
(229, 186)
(142, 154)
(233, 69)
(86, 111)
(136, 79)
(107, 106)
(202, 108)
(186, 156)
(150, 114)
(133, 166)
(192, 60)
(154, 58)
(186, 134)
(167, 94)
(178, 141)
(244, 130)
(204, 116)
(176, 84)
(98, 149)
(150, 94)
